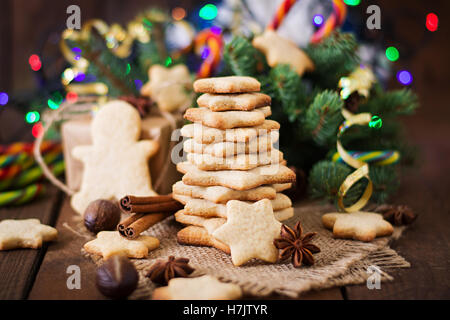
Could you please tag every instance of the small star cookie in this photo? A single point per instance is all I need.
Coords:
(109, 243)
(26, 233)
(363, 226)
(168, 87)
(249, 231)
(201, 288)
(279, 50)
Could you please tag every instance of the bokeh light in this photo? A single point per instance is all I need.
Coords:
(168, 61)
(404, 77)
(80, 77)
(432, 22)
(32, 117)
(3, 98)
(71, 97)
(392, 54)
(77, 52)
(318, 20)
(178, 13)
(375, 122)
(35, 62)
(205, 52)
(37, 129)
(352, 2)
(208, 12)
(138, 84)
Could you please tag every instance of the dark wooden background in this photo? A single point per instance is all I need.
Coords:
(39, 274)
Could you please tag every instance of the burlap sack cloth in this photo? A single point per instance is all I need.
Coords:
(340, 262)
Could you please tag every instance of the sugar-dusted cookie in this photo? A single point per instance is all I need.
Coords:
(207, 208)
(260, 144)
(233, 84)
(206, 135)
(109, 243)
(210, 224)
(280, 215)
(364, 226)
(227, 102)
(279, 50)
(250, 231)
(219, 194)
(199, 236)
(169, 87)
(116, 164)
(228, 119)
(201, 288)
(234, 179)
(238, 162)
(25, 233)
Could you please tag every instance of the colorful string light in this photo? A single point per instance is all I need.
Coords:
(71, 97)
(138, 84)
(375, 122)
(432, 22)
(352, 2)
(404, 77)
(318, 20)
(3, 98)
(178, 13)
(32, 117)
(37, 129)
(208, 12)
(35, 62)
(392, 54)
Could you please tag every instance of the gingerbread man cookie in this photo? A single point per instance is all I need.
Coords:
(116, 164)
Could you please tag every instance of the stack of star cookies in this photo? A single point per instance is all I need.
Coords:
(230, 156)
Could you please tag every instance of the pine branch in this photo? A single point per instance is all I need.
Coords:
(323, 118)
(333, 57)
(242, 58)
(392, 103)
(385, 182)
(325, 179)
(287, 90)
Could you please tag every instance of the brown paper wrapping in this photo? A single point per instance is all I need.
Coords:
(154, 126)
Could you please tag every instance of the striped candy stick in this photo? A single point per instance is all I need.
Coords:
(213, 42)
(18, 147)
(24, 174)
(281, 13)
(378, 158)
(333, 21)
(21, 196)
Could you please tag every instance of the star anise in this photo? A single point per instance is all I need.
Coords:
(162, 271)
(398, 215)
(293, 244)
(142, 104)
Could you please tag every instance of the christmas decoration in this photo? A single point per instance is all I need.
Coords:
(309, 108)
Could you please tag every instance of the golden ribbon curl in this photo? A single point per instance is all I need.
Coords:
(362, 168)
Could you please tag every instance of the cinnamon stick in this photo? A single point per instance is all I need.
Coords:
(133, 230)
(170, 206)
(127, 202)
(121, 227)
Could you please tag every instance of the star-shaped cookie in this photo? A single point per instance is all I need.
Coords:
(364, 226)
(109, 243)
(249, 231)
(168, 87)
(26, 233)
(202, 288)
(279, 50)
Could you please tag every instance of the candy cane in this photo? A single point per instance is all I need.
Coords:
(281, 13)
(211, 40)
(333, 21)
(16, 197)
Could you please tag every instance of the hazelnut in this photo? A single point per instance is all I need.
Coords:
(117, 277)
(101, 215)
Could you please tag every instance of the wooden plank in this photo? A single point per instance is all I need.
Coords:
(51, 281)
(18, 268)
